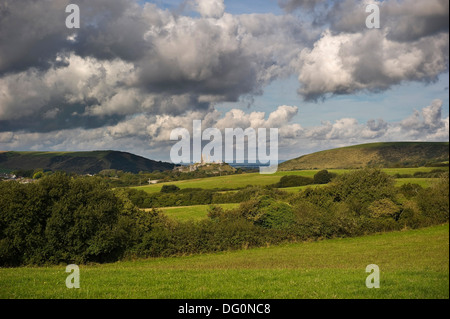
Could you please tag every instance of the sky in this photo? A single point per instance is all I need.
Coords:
(135, 70)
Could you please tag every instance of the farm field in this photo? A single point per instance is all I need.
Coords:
(413, 264)
(241, 180)
(193, 213)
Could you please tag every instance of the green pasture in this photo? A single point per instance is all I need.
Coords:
(414, 264)
(256, 179)
(195, 212)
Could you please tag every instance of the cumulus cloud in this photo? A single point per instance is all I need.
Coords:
(412, 45)
(149, 136)
(210, 8)
(350, 62)
(405, 20)
(128, 58)
(427, 122)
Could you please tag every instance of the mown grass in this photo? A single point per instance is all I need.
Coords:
(413, 264)
(256, 179)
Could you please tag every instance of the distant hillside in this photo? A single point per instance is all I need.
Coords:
(80, 162)
(392, 154)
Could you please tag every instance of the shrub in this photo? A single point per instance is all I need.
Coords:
(169, 189)
(410, 215)
(362, 187)
(277, 215)
(434, 201)
(410, 190)
(323, 177)
(384, 208)
(293, 181)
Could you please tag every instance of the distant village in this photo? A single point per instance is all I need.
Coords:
(12, 177)
(9, 177)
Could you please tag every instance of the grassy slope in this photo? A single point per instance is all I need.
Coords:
(413, 264)
(374, 154)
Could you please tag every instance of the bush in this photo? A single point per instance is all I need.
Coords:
(323, 177)
(410, 215)
(274, 214)
(293, 181)
(384, 208)
(410, 190)
(169, 189)
(362, 187)
(434, 201)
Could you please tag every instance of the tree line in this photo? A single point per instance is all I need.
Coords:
(73, 219)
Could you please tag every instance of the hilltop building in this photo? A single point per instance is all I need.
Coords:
(205, 164)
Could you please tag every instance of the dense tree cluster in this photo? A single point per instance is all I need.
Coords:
(66, 219)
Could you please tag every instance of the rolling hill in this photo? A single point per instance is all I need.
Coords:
(389, 154)
(80, 162)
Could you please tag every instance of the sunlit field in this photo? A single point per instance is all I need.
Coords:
(413, 264)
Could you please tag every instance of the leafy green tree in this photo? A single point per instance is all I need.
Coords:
(66, 219)
(434, 201)
(293, 181)
(323, 177)
(384, 208)
(277, 215)
(410, 190)
(362, 187)
(38, 175)
(169, 189)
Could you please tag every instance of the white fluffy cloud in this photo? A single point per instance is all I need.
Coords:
(210, 8)
(426, 124)
(150, 135)
(350, 62)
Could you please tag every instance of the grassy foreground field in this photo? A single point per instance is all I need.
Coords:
(413, 264)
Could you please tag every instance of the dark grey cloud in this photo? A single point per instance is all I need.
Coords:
(31, 34)
(411, 20)
(291, 5)
(129, 59)
(404, 21)
(113, 30)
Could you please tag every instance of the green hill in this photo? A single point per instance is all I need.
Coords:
(80, 162)
(390, 154)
